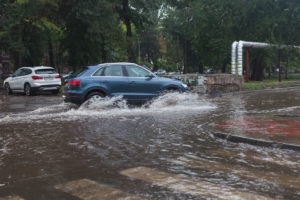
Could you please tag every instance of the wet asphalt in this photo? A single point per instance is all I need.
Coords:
(109, 150)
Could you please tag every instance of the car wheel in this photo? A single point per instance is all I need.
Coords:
(28, 90)
(96, 95)
(7, 88)
(170, 90)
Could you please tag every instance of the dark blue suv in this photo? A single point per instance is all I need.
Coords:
(129, 80)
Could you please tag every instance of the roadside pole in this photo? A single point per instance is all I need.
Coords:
(247, 64)
(279, 63)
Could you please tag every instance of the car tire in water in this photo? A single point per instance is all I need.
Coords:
(7, 89)
(170, 90)
(95, 95)
(27, 89)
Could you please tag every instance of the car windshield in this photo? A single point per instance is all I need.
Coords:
(45, 71)
(78, 72)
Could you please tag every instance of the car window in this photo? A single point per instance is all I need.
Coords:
(22, 73)
(45, 71)
(115, 70)
(27, 71)
(135, 71)
(99, 72)
(18, 73)
(78, 72)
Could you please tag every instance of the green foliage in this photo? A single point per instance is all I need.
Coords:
(212, 26)
(168, 65)
(91, 31)
(25, 29)
(165, 34)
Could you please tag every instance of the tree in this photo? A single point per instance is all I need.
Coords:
(176, 26)
(214, 25)
(25, 29)
(193, 33)
(149, 38)
(134, 14)
(91, 28)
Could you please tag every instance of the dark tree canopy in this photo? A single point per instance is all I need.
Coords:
(187, 35)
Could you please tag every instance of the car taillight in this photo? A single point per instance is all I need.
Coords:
(36, 77)
(76, 82)
(58, 76)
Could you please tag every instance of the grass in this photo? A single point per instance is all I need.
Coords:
(291, 76)
(61, 88)
(293, 79)
(256, 85)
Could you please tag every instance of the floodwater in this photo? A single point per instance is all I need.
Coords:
(109, 150)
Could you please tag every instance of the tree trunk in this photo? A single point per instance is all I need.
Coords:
(127, 22)
(103, 51)
(126, 18)
(20, 41)
(287, 68)
(280, 66)
(51, 53)
(201, 68)
(185, 62)
(225, 62)
(258, 69)
(155, 68)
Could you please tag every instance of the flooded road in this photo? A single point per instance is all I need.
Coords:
(109, 150)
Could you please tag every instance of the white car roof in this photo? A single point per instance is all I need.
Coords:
(120, 63)
(39, 67)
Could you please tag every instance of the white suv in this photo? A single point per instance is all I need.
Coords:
(32, 79)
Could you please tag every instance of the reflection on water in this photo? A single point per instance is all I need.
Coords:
(271, 116)
(56, 144)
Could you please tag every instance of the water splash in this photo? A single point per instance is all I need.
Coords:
(96, 103)
(178, 100)
(62, 107)
(171, 104)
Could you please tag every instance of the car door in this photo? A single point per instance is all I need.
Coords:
(13, 83)
(24, 76)
(142, 83)
(112, 78)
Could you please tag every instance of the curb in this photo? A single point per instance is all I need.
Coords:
(254, 142)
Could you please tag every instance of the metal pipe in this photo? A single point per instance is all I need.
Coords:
(240, 58)
(237, 53)
(233, 58)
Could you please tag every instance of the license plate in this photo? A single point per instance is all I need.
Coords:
(49, 78)
(50, 88)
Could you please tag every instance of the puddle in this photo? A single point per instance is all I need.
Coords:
(51, 143)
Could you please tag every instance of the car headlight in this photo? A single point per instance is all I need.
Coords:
(184, 85)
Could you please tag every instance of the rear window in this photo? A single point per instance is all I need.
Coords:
(78, 72)
(45, 71)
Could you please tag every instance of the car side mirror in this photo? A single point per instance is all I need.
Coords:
(150, 76)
